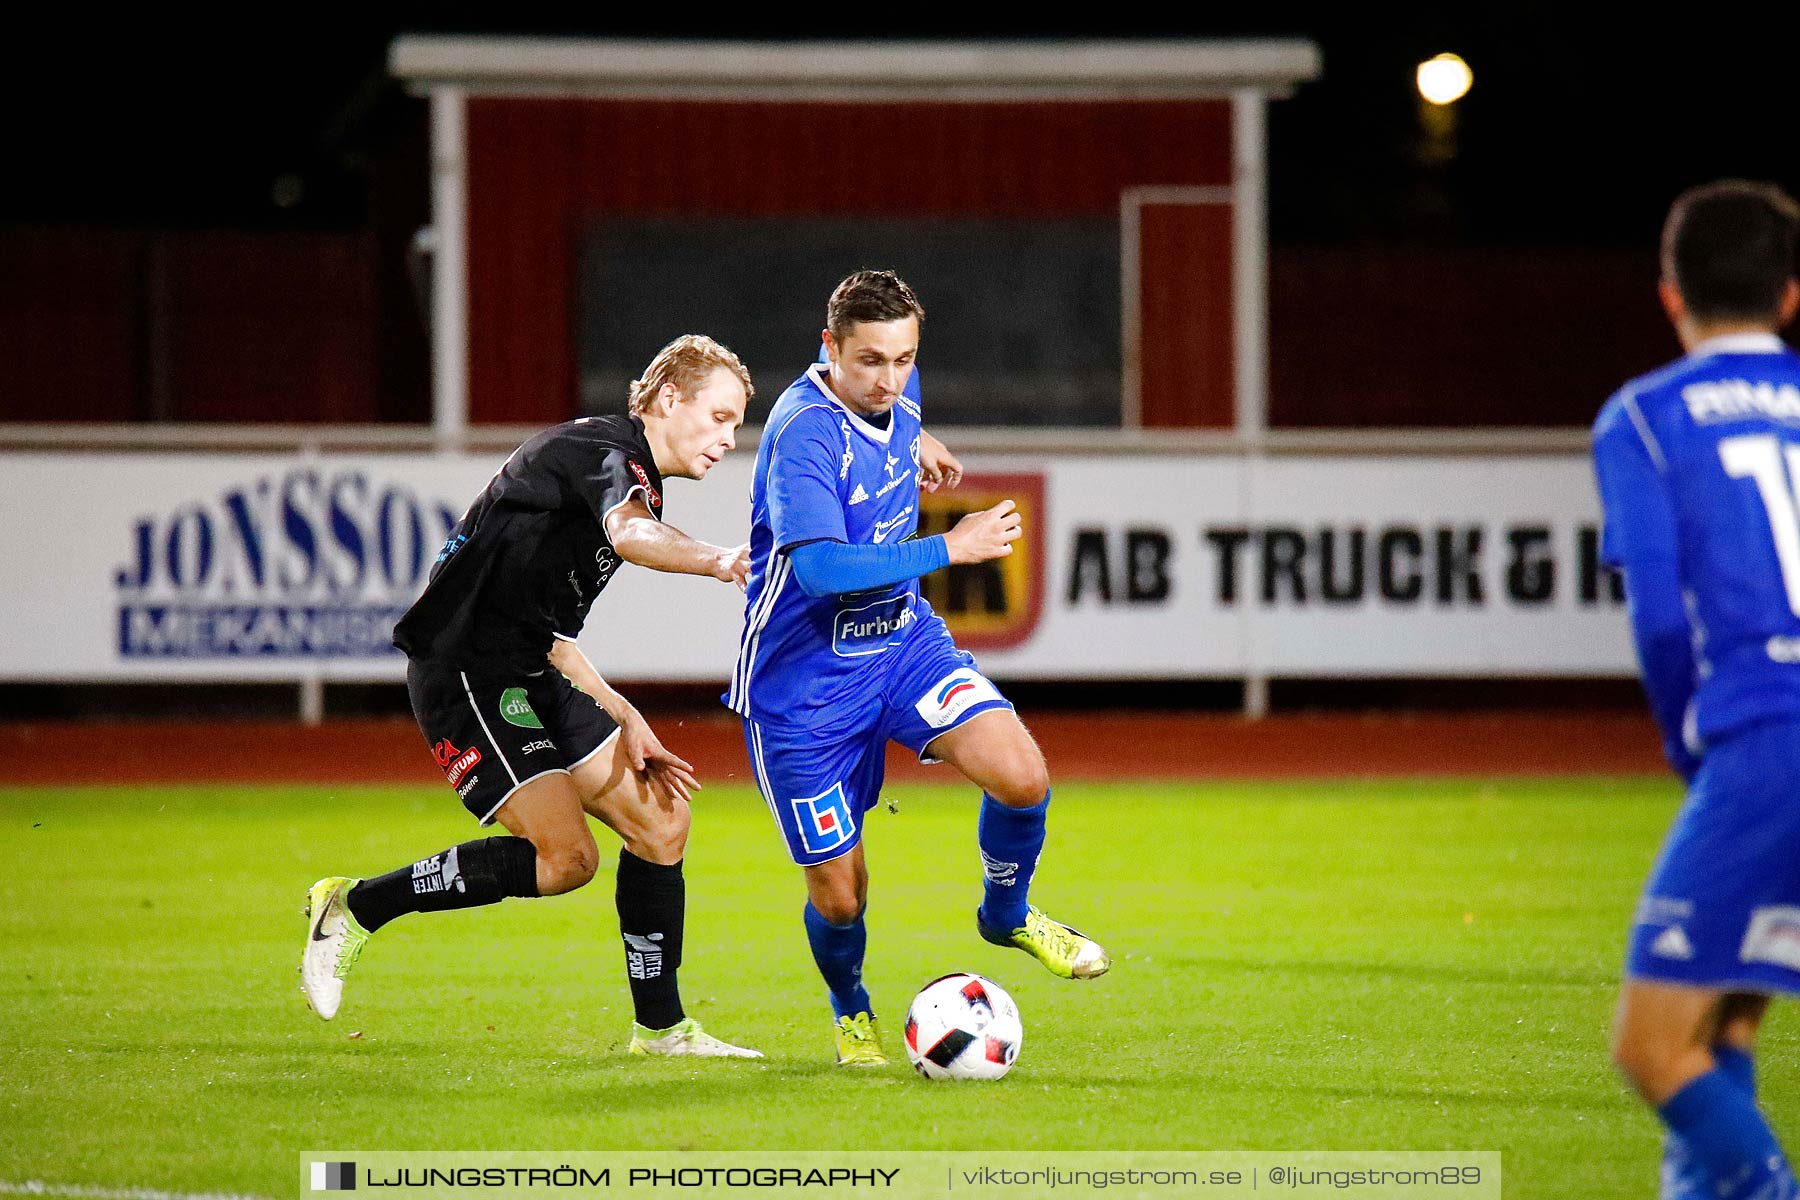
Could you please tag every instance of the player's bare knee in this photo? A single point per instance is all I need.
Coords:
(1648, 1063)
(567, 866)
(663, 839)
(840, 910)
(838, 905)
(1025, 780)
(1628, 1055)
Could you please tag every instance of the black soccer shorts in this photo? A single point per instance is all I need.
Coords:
(492, 736)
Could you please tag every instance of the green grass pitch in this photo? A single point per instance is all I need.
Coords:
(1381, 965)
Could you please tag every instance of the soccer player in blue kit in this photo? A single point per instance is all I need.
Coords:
(840, 653)
(1699, 472)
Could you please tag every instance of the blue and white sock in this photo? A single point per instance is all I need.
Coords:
(838, 950)
(1683, 1178)
(1011, 840)
(1726, 1135)
(1680, 1176)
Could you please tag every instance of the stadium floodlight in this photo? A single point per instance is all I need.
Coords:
(1445, 79)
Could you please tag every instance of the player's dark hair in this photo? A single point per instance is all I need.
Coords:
(1729, 249)
(878, 296)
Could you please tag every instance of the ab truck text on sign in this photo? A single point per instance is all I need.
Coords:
(196, 567)
(1446, 565)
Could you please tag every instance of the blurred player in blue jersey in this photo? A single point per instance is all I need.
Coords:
(840, 653)
(1699, 472)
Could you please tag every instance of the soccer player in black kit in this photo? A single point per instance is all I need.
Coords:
(523, 726)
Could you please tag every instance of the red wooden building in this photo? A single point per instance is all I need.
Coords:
(1157, 145)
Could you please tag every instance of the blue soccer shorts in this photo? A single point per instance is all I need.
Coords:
(1722, 906)
(819, 785)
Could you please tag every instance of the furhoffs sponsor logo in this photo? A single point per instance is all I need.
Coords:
(302, 563)
(872, 628)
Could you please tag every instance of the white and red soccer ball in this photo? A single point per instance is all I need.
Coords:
(963, 1027)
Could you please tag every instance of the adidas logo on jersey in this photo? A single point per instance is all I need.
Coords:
(859, 495)
(1673, 943)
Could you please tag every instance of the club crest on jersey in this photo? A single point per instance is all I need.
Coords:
(825, 821)
(954, 695)
(643, 477)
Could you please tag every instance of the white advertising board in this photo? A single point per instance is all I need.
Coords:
(279, 567)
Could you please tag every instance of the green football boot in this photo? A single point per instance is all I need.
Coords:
(1065, 952)
(858, 1041)
(334, 941)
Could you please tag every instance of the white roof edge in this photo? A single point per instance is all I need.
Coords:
(963, 69)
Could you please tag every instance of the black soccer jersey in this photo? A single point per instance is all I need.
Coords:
(531, 554)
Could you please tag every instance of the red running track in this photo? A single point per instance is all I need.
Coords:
(1086, 746)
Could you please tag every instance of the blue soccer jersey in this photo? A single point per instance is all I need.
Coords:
(824, 473)
(1699, 472)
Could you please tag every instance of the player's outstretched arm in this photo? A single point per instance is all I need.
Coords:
(669, 776)
(828, 567)
(642, 539)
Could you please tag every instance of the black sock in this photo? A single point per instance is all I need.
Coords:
(465, 876)
(652, 902)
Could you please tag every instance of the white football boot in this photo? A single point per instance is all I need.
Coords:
(686, 1039)
(334, 941)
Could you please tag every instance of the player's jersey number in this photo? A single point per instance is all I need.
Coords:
(1759, 457)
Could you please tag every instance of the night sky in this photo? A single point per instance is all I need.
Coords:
(1576, 131)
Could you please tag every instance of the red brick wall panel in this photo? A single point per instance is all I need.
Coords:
(541, 168)
(70, 334)
(1185, 346)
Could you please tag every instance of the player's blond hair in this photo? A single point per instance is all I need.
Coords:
(686, 362)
